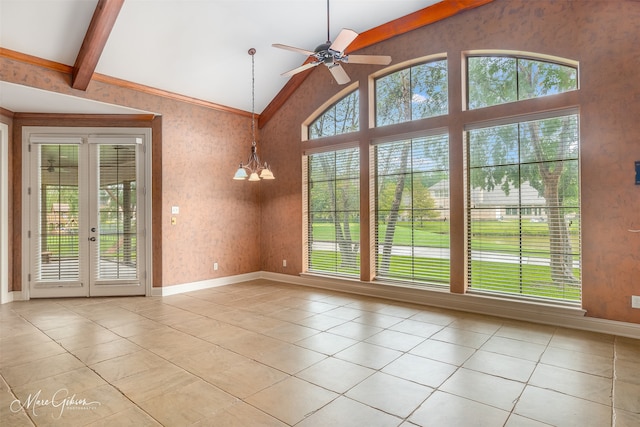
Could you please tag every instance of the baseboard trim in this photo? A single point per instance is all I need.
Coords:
(204, 284)
(530, 311)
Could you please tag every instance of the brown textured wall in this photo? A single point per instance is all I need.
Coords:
(200, 150)
(604, 36)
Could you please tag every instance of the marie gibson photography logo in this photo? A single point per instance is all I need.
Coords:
(61, 401)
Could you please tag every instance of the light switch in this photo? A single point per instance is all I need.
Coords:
(175, 210)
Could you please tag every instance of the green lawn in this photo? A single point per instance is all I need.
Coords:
(493, 236)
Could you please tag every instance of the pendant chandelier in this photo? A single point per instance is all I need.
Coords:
(253, 168)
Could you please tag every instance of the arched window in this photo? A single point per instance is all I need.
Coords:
(341, 117)
(412, 93)
(494, 80)
(523, 186)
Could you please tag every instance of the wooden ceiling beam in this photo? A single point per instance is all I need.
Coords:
(104, 17)
(415, 20)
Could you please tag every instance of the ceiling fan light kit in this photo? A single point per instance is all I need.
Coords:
(331, 54)
(253, 168)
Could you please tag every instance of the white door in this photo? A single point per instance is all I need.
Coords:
(87, 212)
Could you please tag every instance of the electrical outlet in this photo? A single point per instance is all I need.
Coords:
(215, 266)
(284, 262)
(635, 301)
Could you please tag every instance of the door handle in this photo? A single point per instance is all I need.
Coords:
(93, 229)
(92, 239)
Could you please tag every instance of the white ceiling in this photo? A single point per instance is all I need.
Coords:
(196, 48)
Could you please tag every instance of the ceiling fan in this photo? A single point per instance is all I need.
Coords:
(332, 54)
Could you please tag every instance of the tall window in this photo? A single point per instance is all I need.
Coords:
(341, 117)
(523, 203)
(333, 212)
(524, 208)
(412, 210)
(412, 93)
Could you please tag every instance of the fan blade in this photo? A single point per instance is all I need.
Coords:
(300, 69)
(339, 74)
(367, 59)
(293, 49)
(343, 40)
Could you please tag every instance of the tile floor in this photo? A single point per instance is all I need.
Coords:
(269, 354)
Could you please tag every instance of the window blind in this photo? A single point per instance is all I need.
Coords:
(524, 209)
(333, 212)
(412, 210)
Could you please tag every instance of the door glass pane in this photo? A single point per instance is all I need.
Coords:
(58, 250)
(117, 243)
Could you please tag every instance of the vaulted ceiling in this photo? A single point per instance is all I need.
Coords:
(194, 48)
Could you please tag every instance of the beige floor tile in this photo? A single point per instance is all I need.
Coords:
(252, 344)
(626, 419)
(26, 348)
(484, 388)
(369, 355)
(377, 319)
(400, 310)
(187, 404)
(626, 396)
(528, 332)
(516, 420)
(578, 361)
(500, 365)
(89, 338)
(321, 322)
(355, 330)
(290, 332)
(395, 340)
(199, 327)
(510, 347)
(240, 414)
(583, 342)
(461, 337)
(291, 400)
(171, 343)
(627, 371)
(141, 327)
(344, 412)
(453, 354)
(421, 370)
(133, 417)
(77, 381)
(447, 410)
(129, 364)
(390, 394)
(574, 383)
(290, 314)
(326, 343)
(40, 369)
(558, 409)
(152, 382)
(415, 327)
(109, 350)
(290, 358)
(231, 372)
(344, 313)
(436, 317)
(627, 349)
(335, 374)
(477, 323)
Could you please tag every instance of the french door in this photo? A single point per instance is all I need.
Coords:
(87, 215)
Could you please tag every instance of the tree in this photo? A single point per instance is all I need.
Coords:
(542, 153)
(409, 94)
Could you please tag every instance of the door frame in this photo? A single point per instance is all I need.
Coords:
(147, 274)
(5, 295)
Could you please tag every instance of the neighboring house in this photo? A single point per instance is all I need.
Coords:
(495, 204)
